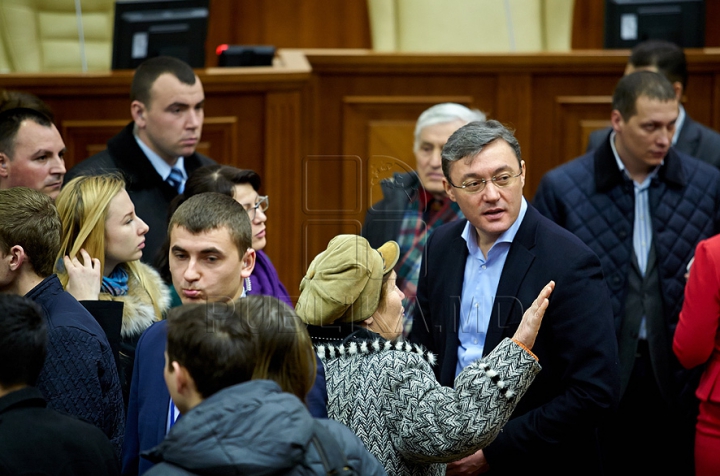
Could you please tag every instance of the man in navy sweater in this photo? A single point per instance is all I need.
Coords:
(79, 375)
(34, 438)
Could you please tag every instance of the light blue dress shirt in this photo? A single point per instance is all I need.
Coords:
(678, 124)
(162, 167)
(480, 283)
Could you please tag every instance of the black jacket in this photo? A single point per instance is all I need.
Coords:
(593, 199)
(38, 440)
(383, 219)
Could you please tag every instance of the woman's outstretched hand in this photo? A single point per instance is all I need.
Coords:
(530, 324)
(84, 277)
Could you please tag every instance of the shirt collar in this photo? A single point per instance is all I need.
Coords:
(678, 124)
(621, 166)
(469, 233)
(162, 167)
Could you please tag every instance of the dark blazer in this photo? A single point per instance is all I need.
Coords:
(150, 194)
(38, 440)
(554, 424)
(149, 400)
(695, 140)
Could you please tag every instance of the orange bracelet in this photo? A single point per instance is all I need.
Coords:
(526, 349)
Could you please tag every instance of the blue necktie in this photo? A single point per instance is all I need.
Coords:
(175, 179)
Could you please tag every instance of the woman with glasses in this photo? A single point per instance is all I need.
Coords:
(243, 186)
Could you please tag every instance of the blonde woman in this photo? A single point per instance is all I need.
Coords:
(102, 243)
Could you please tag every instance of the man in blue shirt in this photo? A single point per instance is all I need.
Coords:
(690, 136)
(480, 274)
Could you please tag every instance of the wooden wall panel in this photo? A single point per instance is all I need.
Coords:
(588, 29)
(283, 162)
(574, 118)
(379, 130)
(287, 24)
(84, 138)
(553, 101)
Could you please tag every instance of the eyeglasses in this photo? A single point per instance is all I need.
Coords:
(478, 185)
(262, 203)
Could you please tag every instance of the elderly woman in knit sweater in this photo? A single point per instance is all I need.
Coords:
(102, 243)
(384, 389)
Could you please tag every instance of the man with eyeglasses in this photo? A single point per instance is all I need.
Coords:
(479, 275)
(642, 206)
(415, 203)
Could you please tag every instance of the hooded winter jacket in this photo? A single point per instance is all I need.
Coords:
(253, 428)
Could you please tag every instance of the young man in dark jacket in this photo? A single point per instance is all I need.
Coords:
(36, 439)
(79, 375)
(642, 206)
(155, 152)
(239, 373)
(210, 257)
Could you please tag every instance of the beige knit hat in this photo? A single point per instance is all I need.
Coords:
(343, 282)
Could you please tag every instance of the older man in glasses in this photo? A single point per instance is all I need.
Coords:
(478, 276)
(415, 203)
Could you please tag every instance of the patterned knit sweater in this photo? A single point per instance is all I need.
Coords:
(387, 394)
(79, 375)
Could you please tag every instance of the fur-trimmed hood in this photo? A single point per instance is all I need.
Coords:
(138, 310)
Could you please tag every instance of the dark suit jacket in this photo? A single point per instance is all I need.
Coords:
(150, 194)
(554, 424)
(38, 440)
(149, 400)
(695, 139)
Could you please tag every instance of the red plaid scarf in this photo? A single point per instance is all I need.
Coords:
(413, 235)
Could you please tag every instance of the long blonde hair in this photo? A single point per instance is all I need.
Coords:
(83, 206)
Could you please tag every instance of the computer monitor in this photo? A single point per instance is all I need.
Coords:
(629, 22)
(145, 29)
